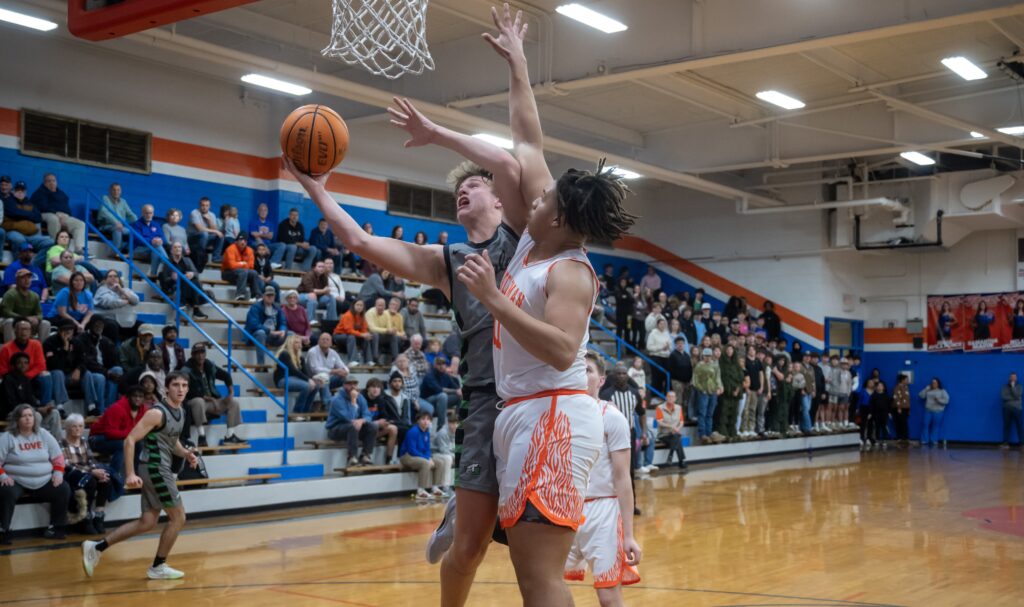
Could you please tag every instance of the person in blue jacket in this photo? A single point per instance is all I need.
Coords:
(326, 242)
(415, 455)
(349, 420)
(265, 322)
(19, 210)
(55, 207)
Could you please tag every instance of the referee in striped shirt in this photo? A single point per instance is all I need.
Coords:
(624, 394)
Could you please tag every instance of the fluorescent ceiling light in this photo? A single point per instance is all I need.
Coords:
(781, 99)
(977, 135)
(964, 68)
(501, 142)
(592, 18)
(918, 158)
(24, 20)
(625, 173)
(1012, 130)
(275, 84)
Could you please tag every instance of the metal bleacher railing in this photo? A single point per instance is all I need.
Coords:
(619, 345)
(158, 253)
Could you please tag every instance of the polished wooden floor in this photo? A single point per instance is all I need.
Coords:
(939, 528)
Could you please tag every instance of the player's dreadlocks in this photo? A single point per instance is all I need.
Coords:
(591, 204)
(464, 171)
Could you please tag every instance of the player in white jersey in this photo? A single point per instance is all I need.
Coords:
(548, 434)
(604, 542)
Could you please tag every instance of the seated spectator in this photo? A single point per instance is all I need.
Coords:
(353, 334)
(265, 321)
(670, 429)
(651, 280)
(20, 388)
(433, 351)
(172, 352)
(153, 393)
(296, 318)
(349, 420)
(149, 230)
(442, 238)
(24, 262)
(420, 238)
(5, 194)
(84, 473)
(384, 412)
(265, 271)
(262, 232)
(407, 405)
(228, 224)
(61, 244)
(152, 364)
(417, 359)
(115, 302)
(636, 372)
(22, 224)
(397, 232)
(175, 232)
(23, 302)
(33, 466)
(326, 243)
(413, 322)
(415, 455)
(382, 325)
(374, 288)
(36, 370)
(55, 207)
(203, 235)
(441, 390)
(204, 399)
(337, 290)
(411, 385)
(169, 280)
(314, 292)
(100, 364)
(64, 362)
(107, 434)
(442, 447)
(324, 363)
(133, 352)
(292, 236)
(114, 216)
(61, 275)
(238, 267)
(290, 355)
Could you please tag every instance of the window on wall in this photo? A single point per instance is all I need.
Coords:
(417, 201)
(843, 336)
(63, 138)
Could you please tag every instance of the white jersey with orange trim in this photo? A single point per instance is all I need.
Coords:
(616, 438)
(517, 372)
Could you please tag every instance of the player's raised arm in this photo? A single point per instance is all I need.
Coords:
(524, 118)
(421, 263)
(502, 165)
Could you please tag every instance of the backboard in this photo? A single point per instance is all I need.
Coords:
(99, 20)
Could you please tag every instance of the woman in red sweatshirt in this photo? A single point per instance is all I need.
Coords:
(107, 434)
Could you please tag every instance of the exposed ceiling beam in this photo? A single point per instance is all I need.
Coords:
(957, 123)
(258, 26)
(1012, 37)
(680, 97)
(590, 126)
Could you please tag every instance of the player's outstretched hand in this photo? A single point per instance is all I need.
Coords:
(633, 552)
(133, 481)
(406, 117)
(307, 181)
(511, 32)
(478, 276)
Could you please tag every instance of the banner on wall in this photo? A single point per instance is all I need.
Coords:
(985, 322)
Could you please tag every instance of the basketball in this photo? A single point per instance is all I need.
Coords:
(315, 138)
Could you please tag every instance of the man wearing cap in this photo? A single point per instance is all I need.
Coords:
(55, 207)
(701, 322)
(707, 381)
(265, 321)
(349, 419)
(133, 351)
(22, 222)
(237, 267)
(204, 399)
(101, 366)
(23, 302)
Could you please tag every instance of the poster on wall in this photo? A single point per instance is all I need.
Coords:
(945, 323)
(1015, 322)
(986, 321)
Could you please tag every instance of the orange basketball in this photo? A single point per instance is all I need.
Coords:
(315, 138)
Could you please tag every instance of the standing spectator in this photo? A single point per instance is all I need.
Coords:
(349, 420)
(374, 288)
(935, 400)
(150, 231)
(670, 429)
(624, 310)
(659, 346)
(291, 235)
(326, 243)
(24, 262)
(807, 396)
(171, 351)
(22, 222)
(265, 271)
(32, 464)
(337, 293)
(296, 319)
(64, 362)
(901, 408)
(23, 302)
(441, 390)
(756, 401)
(651, 280)
(637, 373)
(228, 224)
(55, 207)
(290, 355)
(412, 319)
(353, 333)
(680, 369)
(238, 267)
(101, 366)
(772, 322)
(1012, 418)
(107, 434)
(36, 371)
(84, 473)
(262, 233)
(203, 235)
(707, 382)
(205, 399)
(175, 232)
(687, 326)
(114, 216)
(415, 455)
(115, 302)
(879, 404)
(731, 371)
(171, 280)
(384, 332)
(315, 292)
(324, 364)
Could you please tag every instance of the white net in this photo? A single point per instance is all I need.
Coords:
(387, 37)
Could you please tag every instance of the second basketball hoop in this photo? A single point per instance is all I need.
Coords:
(387, 37)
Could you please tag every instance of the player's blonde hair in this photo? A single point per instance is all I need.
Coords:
(464, 171)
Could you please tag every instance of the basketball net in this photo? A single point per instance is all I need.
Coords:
(387, 37)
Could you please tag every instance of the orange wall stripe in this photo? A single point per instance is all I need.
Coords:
(212, 159)
(9, 122)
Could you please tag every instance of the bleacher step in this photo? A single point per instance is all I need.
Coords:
(291, 472)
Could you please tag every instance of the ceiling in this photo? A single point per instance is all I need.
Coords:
(674, 94)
